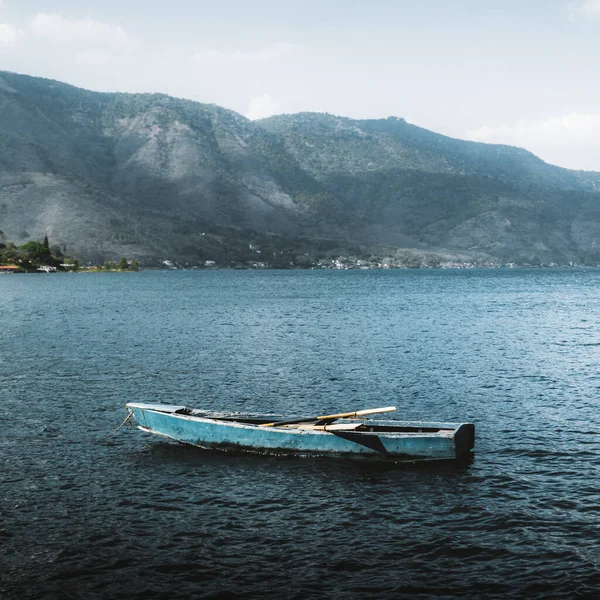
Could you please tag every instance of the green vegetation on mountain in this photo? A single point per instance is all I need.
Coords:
(32, 255)
(158, 178)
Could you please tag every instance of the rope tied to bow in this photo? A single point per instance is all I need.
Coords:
(127, 420)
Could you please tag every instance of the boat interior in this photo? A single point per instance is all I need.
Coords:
(358, 425)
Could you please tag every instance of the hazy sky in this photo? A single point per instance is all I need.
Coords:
(520, 72)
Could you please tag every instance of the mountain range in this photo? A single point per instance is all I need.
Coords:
(149, 176)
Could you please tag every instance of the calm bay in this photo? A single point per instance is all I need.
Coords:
(516, 351)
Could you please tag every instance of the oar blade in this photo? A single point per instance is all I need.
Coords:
(375, 411)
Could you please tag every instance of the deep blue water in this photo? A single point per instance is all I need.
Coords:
(132, 516)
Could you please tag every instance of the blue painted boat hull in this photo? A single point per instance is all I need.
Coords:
(403, 441)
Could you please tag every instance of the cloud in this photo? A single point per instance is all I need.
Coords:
(262, 107)
(266, 55)
(590, 8)
(571, 140)
(576, 126)
(9, 35)
(59, 29)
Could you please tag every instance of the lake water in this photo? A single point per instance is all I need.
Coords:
(132, 516)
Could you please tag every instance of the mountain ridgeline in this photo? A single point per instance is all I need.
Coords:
(154, 177)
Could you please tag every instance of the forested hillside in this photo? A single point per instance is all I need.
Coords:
(155, 177)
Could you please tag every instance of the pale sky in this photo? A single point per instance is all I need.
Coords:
(519, 72)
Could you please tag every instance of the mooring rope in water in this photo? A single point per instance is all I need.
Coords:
(119, 427)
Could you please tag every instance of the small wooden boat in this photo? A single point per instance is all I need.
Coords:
(341, 435)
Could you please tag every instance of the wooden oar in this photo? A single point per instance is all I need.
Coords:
(326, 427)
(356, 413)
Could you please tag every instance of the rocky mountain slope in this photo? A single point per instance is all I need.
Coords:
(152, 177)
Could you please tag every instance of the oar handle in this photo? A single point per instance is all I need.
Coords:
(356, 413)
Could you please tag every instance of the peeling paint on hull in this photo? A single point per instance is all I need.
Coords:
(399, 441)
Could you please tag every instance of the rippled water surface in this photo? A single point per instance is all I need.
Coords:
(515, 351)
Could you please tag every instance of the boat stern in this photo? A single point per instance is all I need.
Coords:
(464, 438)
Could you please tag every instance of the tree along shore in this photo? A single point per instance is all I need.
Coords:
(40, 256)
